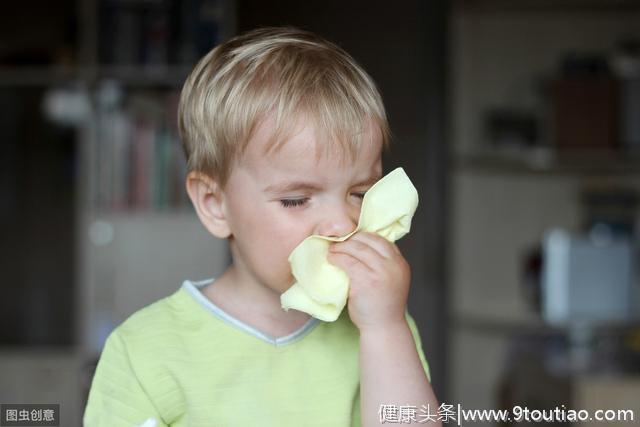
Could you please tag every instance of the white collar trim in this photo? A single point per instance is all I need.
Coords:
(194, 289)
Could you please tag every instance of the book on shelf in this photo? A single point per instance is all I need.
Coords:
(139, 160)
(158, 32)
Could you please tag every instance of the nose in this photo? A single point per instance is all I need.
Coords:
(339, 220)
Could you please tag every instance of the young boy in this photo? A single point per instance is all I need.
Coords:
(283, 133)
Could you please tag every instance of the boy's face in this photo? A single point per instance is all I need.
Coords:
(269, 216)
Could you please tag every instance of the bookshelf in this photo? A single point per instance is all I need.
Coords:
(137, 163)
(90, 101)
(139, 236)
(504, 198)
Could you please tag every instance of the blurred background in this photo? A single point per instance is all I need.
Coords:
(518, 121)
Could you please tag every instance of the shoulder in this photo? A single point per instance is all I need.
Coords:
(134, 373)
(158, 324)
(147, 342)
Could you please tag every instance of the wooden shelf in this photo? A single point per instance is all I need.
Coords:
(36, 76)
(493, 324)
(529, 324)
(550, 5)
(590, 163)
(146, 75)
(134, 75)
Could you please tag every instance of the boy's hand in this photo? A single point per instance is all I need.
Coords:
(379, 279)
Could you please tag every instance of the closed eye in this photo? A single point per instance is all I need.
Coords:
(289, 203)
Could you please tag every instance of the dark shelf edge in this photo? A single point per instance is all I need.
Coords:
(592, 162)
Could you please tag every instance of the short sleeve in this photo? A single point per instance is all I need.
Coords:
(117, 398)
(416, 338)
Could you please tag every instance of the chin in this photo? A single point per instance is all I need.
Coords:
(289, 283)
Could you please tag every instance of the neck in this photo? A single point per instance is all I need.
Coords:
(243, 293)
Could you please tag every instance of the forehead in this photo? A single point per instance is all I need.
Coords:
(305, 150)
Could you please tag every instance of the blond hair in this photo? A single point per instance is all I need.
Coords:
(286, 72)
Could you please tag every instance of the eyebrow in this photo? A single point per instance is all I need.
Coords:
(312, 186)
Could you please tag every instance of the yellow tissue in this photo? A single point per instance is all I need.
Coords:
(321, 288)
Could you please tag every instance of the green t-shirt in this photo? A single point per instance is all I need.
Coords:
(183, 361)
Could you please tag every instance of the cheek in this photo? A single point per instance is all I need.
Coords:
(277, 234)
(284, 237)
(275, 247)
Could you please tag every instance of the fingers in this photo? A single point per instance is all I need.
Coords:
(358, 250)
(368, 248)
(381, 245)
(348, 263)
